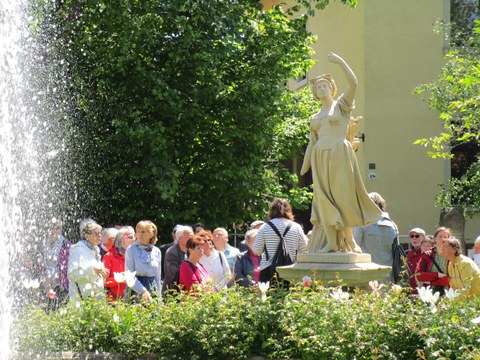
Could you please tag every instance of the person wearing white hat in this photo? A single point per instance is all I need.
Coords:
(414, 255)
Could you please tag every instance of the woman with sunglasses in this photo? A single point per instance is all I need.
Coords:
(114, 260)
(215, 262)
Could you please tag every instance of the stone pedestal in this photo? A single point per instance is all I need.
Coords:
(348, 269)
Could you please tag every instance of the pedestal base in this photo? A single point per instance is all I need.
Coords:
(348, 269)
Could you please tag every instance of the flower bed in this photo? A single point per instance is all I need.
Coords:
(305, 323)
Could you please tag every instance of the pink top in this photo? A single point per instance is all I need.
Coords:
(190, 277)
(256, 265)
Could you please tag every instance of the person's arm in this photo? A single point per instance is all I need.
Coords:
(258, 246)
(241, 276)
(110, 280)
(307, 158)
(227, 273)
(352, 83)
(131, 266)
(171, 267)
(62, 263)
(302, 243)
(158, 275)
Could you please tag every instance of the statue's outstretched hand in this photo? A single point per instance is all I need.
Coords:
(334, 58)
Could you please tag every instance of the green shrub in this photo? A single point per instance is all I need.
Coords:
(236, 324)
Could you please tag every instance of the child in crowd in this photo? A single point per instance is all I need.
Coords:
(427, 243)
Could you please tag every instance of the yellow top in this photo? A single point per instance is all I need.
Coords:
(464, 277)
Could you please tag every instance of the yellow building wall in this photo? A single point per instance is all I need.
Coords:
(392, 47)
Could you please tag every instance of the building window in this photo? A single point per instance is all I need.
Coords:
(464, 155)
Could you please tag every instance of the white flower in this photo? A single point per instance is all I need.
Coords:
(427, 296)
(88, 286)
(375, 286)
(119, 277)
(476, 320)
(263, 287)
(31, 284)
(116, 318)
(397, 289)
(130, 278)
(340, 295)
(77, 304)
(451, 294)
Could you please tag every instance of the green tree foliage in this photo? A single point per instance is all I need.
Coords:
(456, 95)
(181, 115)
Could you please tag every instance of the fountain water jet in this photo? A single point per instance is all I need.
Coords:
(29, 145)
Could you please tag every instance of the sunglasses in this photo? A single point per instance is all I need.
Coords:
(414, 236)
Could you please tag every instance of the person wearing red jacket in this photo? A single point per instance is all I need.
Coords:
(432, 267)
(414, 255)
(114, 260)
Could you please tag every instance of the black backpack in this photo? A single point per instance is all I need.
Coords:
(281, 257)
(399, 270)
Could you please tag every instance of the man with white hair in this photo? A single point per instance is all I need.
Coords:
(175, 256)
(220, 238)
(476, 251)
(108, 237)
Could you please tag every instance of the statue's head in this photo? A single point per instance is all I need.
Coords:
(327, 78)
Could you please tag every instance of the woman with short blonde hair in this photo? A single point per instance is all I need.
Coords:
(146, 260)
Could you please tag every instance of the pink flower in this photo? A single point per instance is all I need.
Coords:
(51, 294)
(307, 281)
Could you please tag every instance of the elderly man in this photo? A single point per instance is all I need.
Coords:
(108, 237)
(220, 239)
(476, 251)
(175, 256)
(414, 255)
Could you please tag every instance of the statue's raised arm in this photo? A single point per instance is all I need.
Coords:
(352, 83)
(340, 200)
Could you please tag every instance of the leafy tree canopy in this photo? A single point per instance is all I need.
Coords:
(180, 110)
(456, 95)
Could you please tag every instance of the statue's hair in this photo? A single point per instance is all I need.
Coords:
(325, 77)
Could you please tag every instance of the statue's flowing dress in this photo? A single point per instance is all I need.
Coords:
(339, 196)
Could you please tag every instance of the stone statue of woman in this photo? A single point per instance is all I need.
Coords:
(340, 201)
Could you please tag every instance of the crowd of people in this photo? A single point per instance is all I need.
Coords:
(124, 263)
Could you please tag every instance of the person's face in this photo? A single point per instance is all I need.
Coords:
(197, 252)
(198, 229)
(128, 240)
(54, 231)
(187, 234)
(440, 239)
(476, 248)
(220, 238)
(109, 242)
(425, 246)
(416, 239)
(144, 234)
(208, 246)
(94, 236)
(323, 89)
(448, 251)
